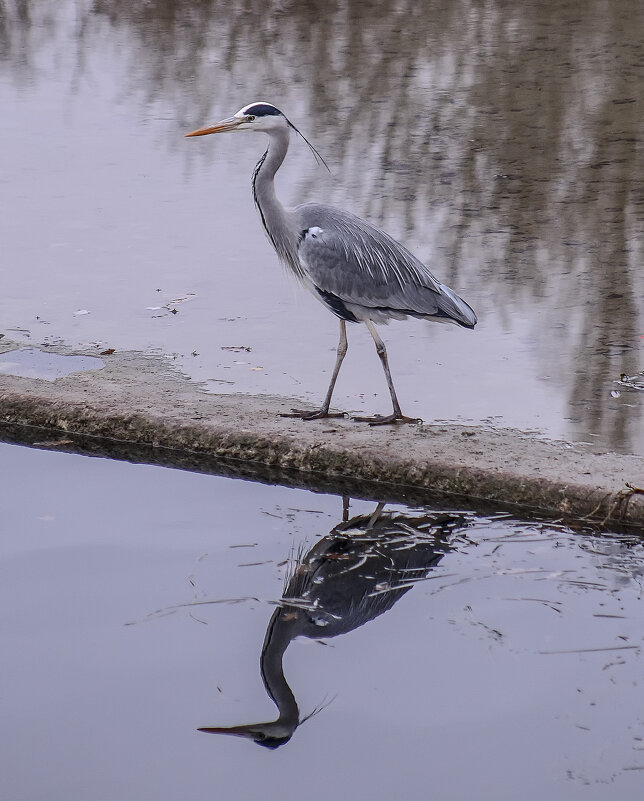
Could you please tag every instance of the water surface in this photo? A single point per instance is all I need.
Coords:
(35, 363)
(467, 651)
(502, 142)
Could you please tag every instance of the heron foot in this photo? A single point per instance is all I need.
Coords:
(383, 420)
(307, 414)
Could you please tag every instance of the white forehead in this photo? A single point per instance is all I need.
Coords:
(243, 111)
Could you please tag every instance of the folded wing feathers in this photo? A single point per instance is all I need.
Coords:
(363, 265)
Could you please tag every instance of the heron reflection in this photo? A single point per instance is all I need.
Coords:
(351, 576)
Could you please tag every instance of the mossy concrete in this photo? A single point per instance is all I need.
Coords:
(139, 407)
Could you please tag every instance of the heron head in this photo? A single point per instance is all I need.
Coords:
(270, 735)
(258, 116)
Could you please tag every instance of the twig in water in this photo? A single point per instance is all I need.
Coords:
(622, 499)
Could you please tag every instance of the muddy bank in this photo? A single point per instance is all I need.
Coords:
(140, 408)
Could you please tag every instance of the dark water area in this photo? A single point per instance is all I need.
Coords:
(411, 652)
(500, 141)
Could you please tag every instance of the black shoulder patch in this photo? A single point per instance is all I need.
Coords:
(336, 305)
(262, 110)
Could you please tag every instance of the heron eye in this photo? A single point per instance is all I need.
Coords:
(250, 118)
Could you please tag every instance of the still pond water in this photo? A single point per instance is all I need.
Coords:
(445, 655)
(501, 141)
(472, 656)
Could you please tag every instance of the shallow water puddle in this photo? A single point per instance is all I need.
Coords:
(35, 363)
(405, 648)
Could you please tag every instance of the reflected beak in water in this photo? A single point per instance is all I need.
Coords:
(270, 735)
(228, 124)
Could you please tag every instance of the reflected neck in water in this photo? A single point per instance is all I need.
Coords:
(284, 626)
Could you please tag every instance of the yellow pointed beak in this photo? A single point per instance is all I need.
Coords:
(219, 127)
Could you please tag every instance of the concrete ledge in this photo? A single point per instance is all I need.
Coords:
(139, 408)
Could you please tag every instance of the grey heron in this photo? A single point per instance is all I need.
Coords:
(360, 273)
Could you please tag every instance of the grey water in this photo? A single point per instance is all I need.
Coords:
(34, 363)
(428, 653)
(500, 141)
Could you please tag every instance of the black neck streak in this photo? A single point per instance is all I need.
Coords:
(258, 167)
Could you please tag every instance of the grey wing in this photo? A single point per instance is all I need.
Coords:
(360, 272)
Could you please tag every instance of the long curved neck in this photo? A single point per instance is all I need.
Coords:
(274, 216)
(282, 628)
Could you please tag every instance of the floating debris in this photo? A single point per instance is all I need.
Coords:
(631, 382)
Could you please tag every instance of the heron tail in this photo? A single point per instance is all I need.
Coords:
(456, 308)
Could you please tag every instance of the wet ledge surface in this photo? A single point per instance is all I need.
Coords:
(139, 408)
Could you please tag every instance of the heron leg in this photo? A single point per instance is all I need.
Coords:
(346, 503)
(323, 411)
(396, 416)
